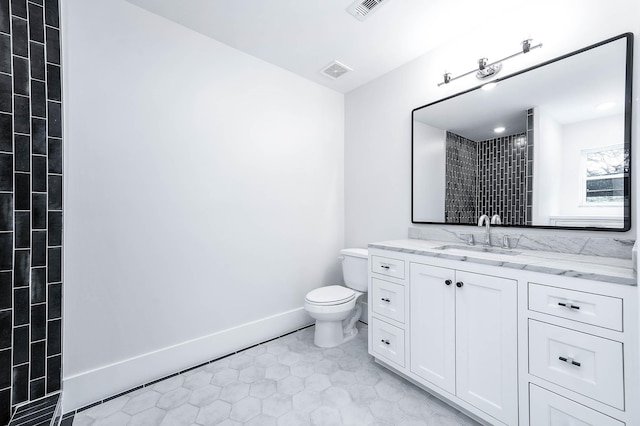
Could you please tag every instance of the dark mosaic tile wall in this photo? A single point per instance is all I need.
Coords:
(461, 175)
(530, 142)
(30, 202)
(502, 178)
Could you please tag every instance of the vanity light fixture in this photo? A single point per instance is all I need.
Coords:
(499, 129)
(485, 69)
(605, 105)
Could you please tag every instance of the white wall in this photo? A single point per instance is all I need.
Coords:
(429, 159)
(547, 166)
(378, 115)
(203, 197)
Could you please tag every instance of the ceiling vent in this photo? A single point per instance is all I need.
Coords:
(335, 70)
(361, 9)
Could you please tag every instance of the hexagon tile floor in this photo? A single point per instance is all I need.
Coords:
(287, 381)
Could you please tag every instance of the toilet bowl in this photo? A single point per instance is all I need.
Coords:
(335, 308)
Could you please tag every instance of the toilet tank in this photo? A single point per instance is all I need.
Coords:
(354, 268)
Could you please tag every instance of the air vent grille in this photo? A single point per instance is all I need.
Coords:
(361, 9)
(335, 70)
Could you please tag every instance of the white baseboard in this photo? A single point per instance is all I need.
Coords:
(95, 385)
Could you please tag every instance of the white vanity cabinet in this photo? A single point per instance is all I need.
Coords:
(580, 366)
(506, 345)
(463, 333)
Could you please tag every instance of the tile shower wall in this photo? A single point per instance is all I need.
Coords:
(461, 175)
(30, 202)
(530, 142)
(502, 178)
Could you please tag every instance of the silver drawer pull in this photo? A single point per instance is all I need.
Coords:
(568, 305)
(569, 360)
(386, 300)
(386, 342)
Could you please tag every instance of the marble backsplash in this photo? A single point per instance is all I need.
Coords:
(588, 245)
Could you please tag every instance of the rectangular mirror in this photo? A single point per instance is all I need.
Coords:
(562, 159)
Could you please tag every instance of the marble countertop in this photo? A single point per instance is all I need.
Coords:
(606, 269)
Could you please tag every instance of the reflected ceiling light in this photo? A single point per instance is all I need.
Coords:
(606, 105)
(499, 129)
(489, 86)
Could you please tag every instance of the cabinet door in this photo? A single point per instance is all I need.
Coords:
(432, 324)
(486, 344)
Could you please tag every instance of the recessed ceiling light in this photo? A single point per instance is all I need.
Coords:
(489, 86)
(606, 105)
(499, 129)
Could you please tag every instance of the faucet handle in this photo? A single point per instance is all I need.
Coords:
(469, 239)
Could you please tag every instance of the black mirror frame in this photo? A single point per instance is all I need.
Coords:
(627, 136)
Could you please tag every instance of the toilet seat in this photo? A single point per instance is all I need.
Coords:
(330, 295)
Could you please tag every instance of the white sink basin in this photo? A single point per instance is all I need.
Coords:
(478, 249)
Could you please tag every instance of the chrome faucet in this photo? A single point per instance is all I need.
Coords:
(486, 222)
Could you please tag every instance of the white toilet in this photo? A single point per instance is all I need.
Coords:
(335, 307)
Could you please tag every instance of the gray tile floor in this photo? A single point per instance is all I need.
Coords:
(288, 381)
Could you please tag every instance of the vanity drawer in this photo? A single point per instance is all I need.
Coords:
(583, 363)
(594, 309)
(387, 266)
(549, 409)
(388, 342)
(387, 299)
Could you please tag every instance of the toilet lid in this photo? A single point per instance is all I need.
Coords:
(330, 295)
